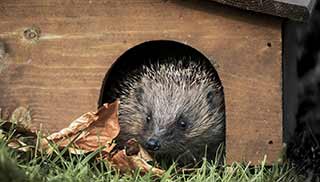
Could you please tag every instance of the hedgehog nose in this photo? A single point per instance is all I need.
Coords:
(153, 144)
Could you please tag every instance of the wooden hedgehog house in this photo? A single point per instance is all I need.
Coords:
(57, 54)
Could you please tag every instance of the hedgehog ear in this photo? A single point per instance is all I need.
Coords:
(138, 93)
(210, 96)
(211, 99)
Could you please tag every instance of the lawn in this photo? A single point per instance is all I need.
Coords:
(61, 166)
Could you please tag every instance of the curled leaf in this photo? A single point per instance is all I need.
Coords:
(90, 131)
(22, 117)
(18, 130)
(19, 145)
(133, 157)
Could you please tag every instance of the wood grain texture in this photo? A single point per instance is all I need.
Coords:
(294, 9)
(59, 75)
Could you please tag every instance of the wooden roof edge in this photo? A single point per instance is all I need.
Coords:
(299, 10)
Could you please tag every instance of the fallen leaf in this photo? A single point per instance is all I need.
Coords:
(89, 132)
(22, 117)
(18, 130)
(19, 145)
(133, 157)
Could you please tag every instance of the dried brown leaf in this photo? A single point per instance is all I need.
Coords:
(18, 130)
(133, 157)
(19, 145)
(22, 117)
(90, 131)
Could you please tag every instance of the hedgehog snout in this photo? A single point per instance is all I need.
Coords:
(153, 144)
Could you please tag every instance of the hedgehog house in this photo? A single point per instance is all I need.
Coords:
(57, 55)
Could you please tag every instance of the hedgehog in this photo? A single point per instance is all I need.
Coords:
(174, 108)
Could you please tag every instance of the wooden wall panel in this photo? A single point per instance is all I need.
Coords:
(58, 77)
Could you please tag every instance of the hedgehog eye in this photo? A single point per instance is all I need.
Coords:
(182, 124)
(148, 118)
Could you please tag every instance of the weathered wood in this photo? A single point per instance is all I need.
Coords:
(57, 72)
(294, 9)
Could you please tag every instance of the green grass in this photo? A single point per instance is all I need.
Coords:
(61, 166)
(15, 166)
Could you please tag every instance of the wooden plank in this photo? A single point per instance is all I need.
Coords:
(293, 9)
(58, 74)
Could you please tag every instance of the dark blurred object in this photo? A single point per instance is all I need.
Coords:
(304, 148)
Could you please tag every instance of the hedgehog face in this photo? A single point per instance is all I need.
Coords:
(164, 133)
(179, 120)
(172, 110)
(172, 121)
